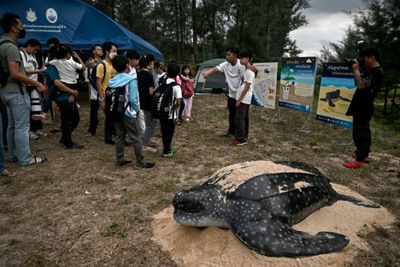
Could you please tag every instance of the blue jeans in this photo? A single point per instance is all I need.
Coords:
(18, 110)
(2, 165)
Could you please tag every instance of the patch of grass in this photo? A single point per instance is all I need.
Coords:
(137, 216)
(114, 230)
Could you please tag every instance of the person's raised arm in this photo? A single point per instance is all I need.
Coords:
(75, 55)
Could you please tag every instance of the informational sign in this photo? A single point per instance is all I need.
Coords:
(264, 93)
(336, 91)
(297, 83)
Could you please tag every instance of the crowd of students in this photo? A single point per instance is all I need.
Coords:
(104, 70)
(26, 99)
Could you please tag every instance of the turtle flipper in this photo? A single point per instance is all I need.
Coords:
(274, 238)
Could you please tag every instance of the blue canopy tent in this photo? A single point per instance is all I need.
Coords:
(75, 23)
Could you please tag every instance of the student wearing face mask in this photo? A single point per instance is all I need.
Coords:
(110, 51)
(13, 92)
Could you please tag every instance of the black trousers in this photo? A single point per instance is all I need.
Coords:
(167, 131)
(109, 127)
(232, 115)
(362, 136)
(69, 121)
(94, 116)
(242, 122)
(35, 124)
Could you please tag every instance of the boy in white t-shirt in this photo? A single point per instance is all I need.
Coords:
(243, 100)
(233, 71)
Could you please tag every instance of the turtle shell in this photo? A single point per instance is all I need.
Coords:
(256, 180)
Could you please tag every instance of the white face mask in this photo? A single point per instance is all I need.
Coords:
(113, 55)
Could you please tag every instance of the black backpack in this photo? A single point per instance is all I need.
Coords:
(92, 76)
(161, 100)
(3, 74)
(115, 102)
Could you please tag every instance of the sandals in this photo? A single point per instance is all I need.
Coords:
(37, 160)
(7, 173)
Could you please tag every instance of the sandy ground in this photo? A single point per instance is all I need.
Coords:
(190, 246)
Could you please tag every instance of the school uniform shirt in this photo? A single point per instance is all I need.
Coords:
(233, 76)
(176, 94)
(67, 69)
(30, 64)
(248, 77)
(94, 95)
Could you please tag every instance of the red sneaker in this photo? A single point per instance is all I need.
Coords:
(239, 143)
(366, 160)
(353, 164)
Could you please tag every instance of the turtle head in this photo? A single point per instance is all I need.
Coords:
(201, 206)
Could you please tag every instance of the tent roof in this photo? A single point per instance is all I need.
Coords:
(74, 22)
(212, 62)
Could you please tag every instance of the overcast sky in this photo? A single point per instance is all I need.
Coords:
(327, 21)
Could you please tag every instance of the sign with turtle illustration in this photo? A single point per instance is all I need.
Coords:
(336, 91)
(297, 83)
(264, 94)
(260, 201)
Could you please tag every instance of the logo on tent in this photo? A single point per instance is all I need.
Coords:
(51, 15)
(31, 15)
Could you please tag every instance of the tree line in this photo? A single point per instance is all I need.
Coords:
(378, 25)
(195, 30)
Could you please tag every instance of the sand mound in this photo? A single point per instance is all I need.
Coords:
(190, 246)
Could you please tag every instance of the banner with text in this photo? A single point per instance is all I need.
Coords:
(264, 94)
(336, 91)
(297, 83)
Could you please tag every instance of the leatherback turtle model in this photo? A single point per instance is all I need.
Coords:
(260, 201)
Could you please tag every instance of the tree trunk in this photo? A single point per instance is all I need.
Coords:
(194, 28)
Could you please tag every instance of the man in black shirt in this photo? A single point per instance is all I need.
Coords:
(146, 89)
(362, 105)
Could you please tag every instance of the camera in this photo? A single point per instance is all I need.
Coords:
(360, 57)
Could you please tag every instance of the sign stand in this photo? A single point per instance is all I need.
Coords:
(306, 128)
(277, 115)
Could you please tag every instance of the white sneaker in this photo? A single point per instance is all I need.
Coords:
(33, 136)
